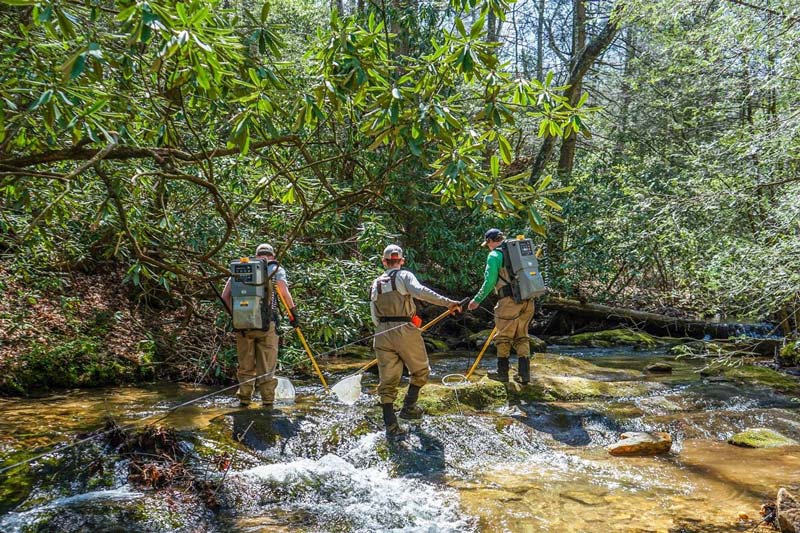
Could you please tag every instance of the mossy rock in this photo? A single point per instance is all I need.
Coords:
(756, 375)
(548, 364)
(478, 395)
(761, 438)
(537, 344)
(659, 368)
(610, 338)
(436, 345)
(577, 388)
(790, 354)
(478, 340)
(82, 361)
(362, 352)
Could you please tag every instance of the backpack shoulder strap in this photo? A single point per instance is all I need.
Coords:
(391, 276)
(393, 279)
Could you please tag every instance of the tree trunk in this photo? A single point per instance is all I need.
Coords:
(491, 27)
(584, 60)
(566, 159)
(662, 324)
(540, 43)
(625, 98)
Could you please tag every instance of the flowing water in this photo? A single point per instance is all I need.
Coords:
(320, 466)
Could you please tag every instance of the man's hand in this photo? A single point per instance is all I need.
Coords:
(294, 321)
(473, 305)
(460, 307)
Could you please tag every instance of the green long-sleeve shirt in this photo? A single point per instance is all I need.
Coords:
(494, 262)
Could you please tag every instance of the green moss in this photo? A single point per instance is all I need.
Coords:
(477, 396)
(577, 388)
(81, 361)
(790, 354)
(16, 484)
(436, 345)
(759, 375)
(362, 352)
(612, 337)
(761, 438)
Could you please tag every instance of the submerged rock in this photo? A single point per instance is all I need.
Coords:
(641, 443)
(788, 512)
(612, 337)
(478, 339)
(760, 375)
(761, 438)
(659, 368)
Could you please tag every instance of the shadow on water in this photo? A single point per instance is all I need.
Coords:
(567, 426)
(262, 429)
(421, 455)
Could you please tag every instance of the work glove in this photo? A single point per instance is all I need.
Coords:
(294, 320)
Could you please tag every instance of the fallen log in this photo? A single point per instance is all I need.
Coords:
(656, 323)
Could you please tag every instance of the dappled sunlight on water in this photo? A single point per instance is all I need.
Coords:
(317, 465)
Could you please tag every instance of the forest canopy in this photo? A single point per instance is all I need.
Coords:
(651, 145)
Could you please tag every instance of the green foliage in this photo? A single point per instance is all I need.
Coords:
(78, 362)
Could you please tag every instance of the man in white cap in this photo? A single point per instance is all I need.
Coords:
(398, 340)
(257, 349)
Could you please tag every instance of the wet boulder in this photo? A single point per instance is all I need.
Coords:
(255, 428)
(479, 395)
(641, 443)
(751, 374)
(436, 345)
(355, 350)
(787, 512)
(560, 377)
(610, 338)
(659, 368)
(478, 339)
(790, 354)
(537, 344)
(761, 438)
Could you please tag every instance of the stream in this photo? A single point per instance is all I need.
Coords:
(317, 465)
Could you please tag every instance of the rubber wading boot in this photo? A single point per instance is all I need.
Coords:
(524, 372)
(394, 431)
(502, 369)
(410, 410)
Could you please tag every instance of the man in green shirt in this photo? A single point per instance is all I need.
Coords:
(511, 319)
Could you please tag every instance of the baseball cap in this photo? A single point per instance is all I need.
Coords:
(493, 234)
(265, 249)
(392, 252)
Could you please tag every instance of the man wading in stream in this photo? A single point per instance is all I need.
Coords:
(511, 319)
(398, 340)
(257, 349)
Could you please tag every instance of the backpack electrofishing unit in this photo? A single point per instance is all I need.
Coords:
(519, 260)
(251, 293)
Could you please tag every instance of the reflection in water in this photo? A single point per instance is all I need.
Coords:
(321, 466)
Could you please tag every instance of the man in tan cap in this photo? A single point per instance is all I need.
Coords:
(398, 341)
(257, 349)
(511, 319)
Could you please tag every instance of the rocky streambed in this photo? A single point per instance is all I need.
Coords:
(488, 457)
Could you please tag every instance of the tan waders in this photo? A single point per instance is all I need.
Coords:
(398, 342)
(257, 352)
(512, 321)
